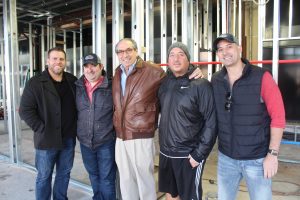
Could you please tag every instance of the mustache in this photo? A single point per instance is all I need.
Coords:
(177, 63)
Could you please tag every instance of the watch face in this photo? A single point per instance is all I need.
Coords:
(273, 152)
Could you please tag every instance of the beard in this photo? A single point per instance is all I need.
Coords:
(58, 70)
(93, 77)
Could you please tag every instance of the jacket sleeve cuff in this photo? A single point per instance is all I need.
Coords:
(196, 156)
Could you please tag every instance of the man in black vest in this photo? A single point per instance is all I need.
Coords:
(251, 120)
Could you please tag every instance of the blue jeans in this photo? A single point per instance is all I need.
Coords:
(44, 163)
(101, 166)
(231, 172)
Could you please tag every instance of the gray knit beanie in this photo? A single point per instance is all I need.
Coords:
(182, 46)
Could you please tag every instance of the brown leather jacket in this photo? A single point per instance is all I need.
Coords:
(136, 113)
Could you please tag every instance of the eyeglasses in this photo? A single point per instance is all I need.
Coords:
(228, 101)
(127, 51)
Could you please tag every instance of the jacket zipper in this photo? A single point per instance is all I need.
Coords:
(169, 107)
(231, 115)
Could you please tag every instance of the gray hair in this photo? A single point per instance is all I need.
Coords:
(134, 45)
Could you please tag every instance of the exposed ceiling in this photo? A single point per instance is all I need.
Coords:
(63, 13)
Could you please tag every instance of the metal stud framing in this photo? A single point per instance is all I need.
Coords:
(43, 47)
(196, 30)
(218, 17)
(233, 28)
(65, 40)
(49, 33)
(12, 74)
(3, 82)
(174, 21)
(80, 48)
(290, 17)
(187, 21)
(117, 27)
(99, 30)
(276, 22)
(224, 16)
(149, 30)
(53, 37)
(137, 25)
(261, 30)
(163, 31)
(208, 34)
(30, 50)
(74, 54)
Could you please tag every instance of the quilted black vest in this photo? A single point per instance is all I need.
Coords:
(243, 120)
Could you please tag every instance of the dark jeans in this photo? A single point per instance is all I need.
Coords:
(44, 163)
(101, 166)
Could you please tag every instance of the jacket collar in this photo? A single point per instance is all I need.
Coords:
(104, 84)
(138, 66)
(186, 75)
(46, 79)
(46, 76)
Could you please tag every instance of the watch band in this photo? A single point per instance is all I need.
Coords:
(273, 152)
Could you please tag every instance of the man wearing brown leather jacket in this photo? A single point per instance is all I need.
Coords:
(135, 87)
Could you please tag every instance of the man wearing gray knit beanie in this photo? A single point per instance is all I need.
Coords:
(187, 129)
(181, 46)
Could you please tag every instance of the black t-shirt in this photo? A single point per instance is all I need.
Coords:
(68, 107)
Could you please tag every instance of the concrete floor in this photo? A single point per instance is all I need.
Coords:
(286, 184)
(18, 183)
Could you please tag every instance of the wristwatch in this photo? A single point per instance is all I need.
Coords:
(273, 152)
